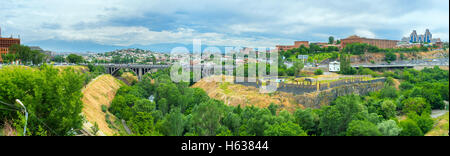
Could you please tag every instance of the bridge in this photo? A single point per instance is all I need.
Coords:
(381, 67)
(141, 70)
(138, 69)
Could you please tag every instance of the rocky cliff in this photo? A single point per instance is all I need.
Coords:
(324, 98)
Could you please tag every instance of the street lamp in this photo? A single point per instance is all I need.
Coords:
(26, 117)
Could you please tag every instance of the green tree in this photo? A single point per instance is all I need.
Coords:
(307, 119)
(173, 123)
(273, 108)
(388, 109)
(331, 40)
(389, 128)
(390, 57)
(142, 124)
(416, 105)
(52, 98)
(206, 117)
(95, 129)
(410, 128)
(144, 105)
(424, 121)
(362, 128)
(233, 122)
(163, 106)
(73, 58)
(284, 129)
(335, 119)
(318, 72)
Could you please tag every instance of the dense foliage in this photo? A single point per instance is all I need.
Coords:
(179, 110)
(52, 98)
(24, 54)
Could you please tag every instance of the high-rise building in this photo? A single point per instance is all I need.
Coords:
(425, 38)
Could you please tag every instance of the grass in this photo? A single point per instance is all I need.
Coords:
(94, 98)
(441, 127)
(224, 87)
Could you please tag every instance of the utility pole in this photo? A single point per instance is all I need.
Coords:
(26, 117)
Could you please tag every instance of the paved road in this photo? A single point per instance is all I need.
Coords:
(438, 113)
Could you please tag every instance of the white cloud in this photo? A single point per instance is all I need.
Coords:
(231, 22)
(365, 33)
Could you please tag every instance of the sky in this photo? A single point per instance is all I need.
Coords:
(99, 25)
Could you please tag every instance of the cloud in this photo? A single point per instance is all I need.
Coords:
(231, 22)
(365, 33)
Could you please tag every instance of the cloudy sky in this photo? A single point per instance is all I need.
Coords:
(99, 25)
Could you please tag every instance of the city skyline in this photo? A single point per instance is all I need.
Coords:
(97, 26)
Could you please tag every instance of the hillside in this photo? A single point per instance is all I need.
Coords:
(235, 94)
(100, 91)
(440, 127)
(379, 57)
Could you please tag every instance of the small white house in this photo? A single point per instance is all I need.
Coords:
(334, 66)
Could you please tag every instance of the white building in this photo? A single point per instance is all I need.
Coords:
(334, 66)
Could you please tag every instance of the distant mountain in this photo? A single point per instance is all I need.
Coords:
(86, 46)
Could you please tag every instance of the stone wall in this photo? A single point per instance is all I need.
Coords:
(324, 98)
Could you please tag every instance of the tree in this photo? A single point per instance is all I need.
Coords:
(95, 128)
(331, 40)
(318, 72)
(307, 120)
(26, 55)
(388, 109)
(389, 128)
(284, 129)
(173, 123)
(424, 121)
(73, 58)
(144, 105)
(52, 98)
(59, 58)
(233, 122)
(390, 57)
(206, 117)
(163, 105)
(142, 124)
(335, 119)
(416, 105)
(389, 92)
(346, 67)
(410, 128)
(297, 67)
(362, 128)
(273, 108)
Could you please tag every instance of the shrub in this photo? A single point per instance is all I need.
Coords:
(390, 56)
(425, 122)
(362, 128)
(104, 108)
(406, 86)
(389, 128)
(410, 128)
(416, 105)
(318, 72)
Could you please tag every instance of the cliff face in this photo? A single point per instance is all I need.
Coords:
(324, 98)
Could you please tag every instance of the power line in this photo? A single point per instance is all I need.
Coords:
(15, 108)
(9, 109)
(10, 105)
